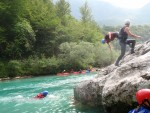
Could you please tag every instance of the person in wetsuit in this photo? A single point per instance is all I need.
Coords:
(123, 40)
(41, 95)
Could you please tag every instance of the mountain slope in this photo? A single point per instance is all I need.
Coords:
(105, 13)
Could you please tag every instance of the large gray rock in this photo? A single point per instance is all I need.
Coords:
(114, 88)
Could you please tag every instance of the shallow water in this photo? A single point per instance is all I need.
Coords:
(16, 96)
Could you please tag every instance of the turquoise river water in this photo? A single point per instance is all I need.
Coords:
(16, 96)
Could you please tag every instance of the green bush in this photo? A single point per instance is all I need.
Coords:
(39, 66)
(84, 54)
(3, 72)
(76, 55)
(73, 56)
(14, 68)
(103, 55)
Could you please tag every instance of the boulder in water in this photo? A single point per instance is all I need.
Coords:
(114, 88)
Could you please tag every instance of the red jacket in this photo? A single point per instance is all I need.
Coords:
(40, 95)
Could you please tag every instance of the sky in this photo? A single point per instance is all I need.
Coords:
(130, 4)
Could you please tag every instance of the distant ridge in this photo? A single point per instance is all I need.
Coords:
(108, 14)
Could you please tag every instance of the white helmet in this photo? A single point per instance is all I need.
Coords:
(127, 22)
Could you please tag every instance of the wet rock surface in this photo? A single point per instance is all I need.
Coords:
(115, 87)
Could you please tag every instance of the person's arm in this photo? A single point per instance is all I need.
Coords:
(131, 34)
(109, 33)
(109, 46)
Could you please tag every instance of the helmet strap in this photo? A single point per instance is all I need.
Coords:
(148, 102)
(146, 105)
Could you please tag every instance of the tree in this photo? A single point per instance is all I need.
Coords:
(77, 55)
(11, 13)
(24, 39)
(63, 11)
(85, 13)
(44, 21)
(91, 32)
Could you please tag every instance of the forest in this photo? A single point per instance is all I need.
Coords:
(39, 37)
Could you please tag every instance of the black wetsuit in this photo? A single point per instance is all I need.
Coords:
(123, 40)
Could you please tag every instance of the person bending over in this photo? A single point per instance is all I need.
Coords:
(110, 36)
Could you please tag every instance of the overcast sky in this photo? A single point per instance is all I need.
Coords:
(128, 3)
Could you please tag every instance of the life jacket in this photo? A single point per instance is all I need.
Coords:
(110, 37)
(140, 110)
(40, 95)
(123, 35)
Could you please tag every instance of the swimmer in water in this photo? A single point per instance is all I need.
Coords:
(42, 95)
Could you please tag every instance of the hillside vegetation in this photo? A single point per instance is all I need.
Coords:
(40, 37)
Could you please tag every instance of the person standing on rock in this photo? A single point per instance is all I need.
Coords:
(143, 99)
(123, 40)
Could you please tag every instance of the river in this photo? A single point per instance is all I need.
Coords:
(16, 96)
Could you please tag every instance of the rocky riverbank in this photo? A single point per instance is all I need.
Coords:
(115, 87)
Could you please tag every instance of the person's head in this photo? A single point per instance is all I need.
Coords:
(45, 93)
(127, 22)
(143, 97)
(103, 41)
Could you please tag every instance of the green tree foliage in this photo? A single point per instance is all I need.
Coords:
(77, 56)
(3, 70)
(63, 11)
(39, 37)
(38, 66)
(3, 42)
(142, 30)
(64, 29)
(91, 32)
(42, 17)
(106, 29)
(10, 12)
(15, 68)
(24, 45)
(103, 55)
(41, 14)
(83, 54)
(31, 66)
(85, 13)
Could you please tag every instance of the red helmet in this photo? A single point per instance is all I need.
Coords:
(142, 95)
